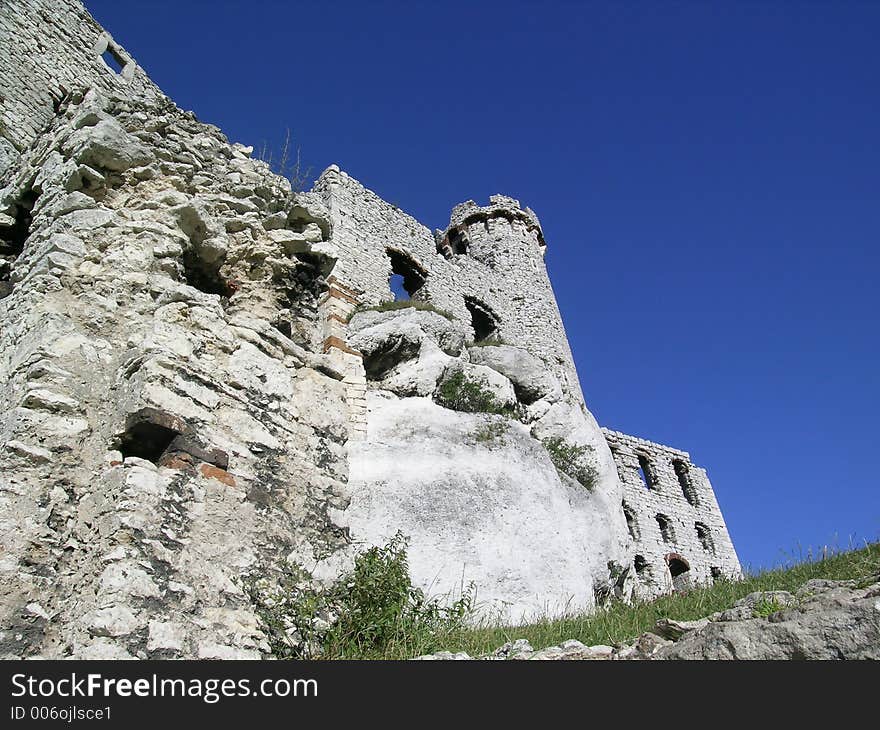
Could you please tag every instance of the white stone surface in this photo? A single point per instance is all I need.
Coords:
(496, 513)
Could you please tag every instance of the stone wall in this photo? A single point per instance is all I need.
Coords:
(661, 481)
(501, 271)
(47, 48)
(169, 421)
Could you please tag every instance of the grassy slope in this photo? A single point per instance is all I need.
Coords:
(622, 623)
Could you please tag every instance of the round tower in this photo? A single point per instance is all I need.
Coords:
(511, 297)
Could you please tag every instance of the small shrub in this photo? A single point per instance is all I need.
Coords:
(370, 612)
(459, 393)
(287, 163)
(570, 459)
(766, 607)
(288, 611)
(406, 304)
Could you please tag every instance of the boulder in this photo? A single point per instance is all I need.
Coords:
(107, 145)
(387, 339)
(531, 379)
(837, 622)
(490, 381)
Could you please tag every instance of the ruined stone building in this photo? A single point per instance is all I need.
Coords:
(199, 382)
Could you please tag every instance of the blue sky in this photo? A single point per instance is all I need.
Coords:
(707, 175)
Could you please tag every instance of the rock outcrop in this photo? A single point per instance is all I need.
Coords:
(476, 492)
(169, 423)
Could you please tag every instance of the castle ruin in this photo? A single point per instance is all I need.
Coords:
(201, 381)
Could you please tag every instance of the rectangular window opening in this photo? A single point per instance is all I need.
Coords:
(645, 472)
(114, 60)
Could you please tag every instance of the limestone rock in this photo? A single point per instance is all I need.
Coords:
(107, 145)
(755, 604)
(445, 656)
(513, 650)
(530, 377)
(388, 338)
(838, 622)
(671, 629)
(573, 650)
(480, 501)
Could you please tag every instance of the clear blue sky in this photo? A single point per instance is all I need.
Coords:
(707, 175)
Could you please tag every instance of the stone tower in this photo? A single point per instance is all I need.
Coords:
(487, 268)
(508, 241)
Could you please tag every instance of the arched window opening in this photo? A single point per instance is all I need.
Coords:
(631, 523)
(680, 571)
(485, 323)
(705, 537)
(645, 472)
(641, 565)
(407, 277)
(666, 531)
(684, 480)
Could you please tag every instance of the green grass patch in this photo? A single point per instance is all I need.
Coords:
(766, 606)
(491, 432)
(459, 393)
(621, 623)
(572, 460)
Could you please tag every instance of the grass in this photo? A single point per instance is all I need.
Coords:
(572, 460)
(380, 615)
(459, 393)
(407, 304)
(622, 623)
(766, 607)
(490, 433)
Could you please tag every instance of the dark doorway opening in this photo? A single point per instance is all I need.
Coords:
(680, 571)
(485, 323)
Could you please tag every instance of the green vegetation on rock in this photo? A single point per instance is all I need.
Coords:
(572, 460)
(460, 393)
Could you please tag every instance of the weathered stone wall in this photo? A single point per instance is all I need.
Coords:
(47, 48)
(169, 422)
(502, 270)
(680, 492)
